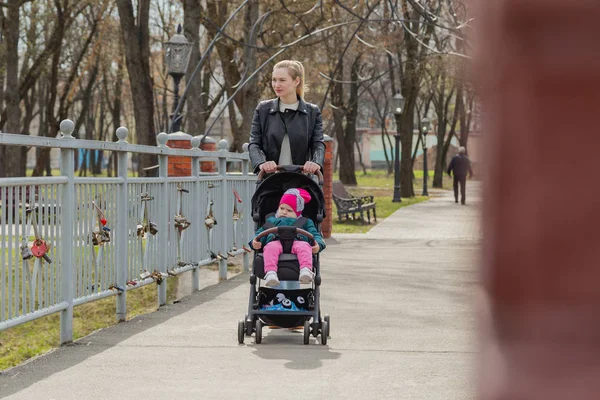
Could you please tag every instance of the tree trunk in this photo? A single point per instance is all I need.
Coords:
(438, 174)
(451, 135)
(406, 137)
(347, 156)
(137, 54)
(2, 80)
(360, 157)
(65, 16)
(464, 129)
(249, 91)
(192, 14)
(247, 98)
(236, 129)
(13, 160)
(345, 144)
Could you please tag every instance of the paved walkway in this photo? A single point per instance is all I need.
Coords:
(400, 300)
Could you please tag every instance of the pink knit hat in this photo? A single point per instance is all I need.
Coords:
(295, 198)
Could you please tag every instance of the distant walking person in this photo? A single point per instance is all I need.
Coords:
(459, 166)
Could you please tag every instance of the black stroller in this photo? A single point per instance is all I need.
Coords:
(281, 307)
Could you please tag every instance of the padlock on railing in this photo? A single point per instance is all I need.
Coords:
(153, 228)
(157, 276)
(210, 222)
(95, 238)
(140, 230)
(40, 249)
(145, 275)
(105, 235)
(146, 197)
(181, 222)
(100, 237)
(46, 256)
(26, 253)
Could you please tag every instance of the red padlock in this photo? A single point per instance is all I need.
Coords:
(39, 248)
(103, 221)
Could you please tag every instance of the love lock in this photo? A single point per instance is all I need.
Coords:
(181, 222)
(40, 249)
(145, 275)
(146, 197)
(210, 222)
(100, 237)
(105, 234)
(26, 253)
(153, 228)
(157, 276)
(95, 238)
(140, 230)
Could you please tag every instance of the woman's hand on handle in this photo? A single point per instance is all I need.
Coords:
(310, 167)
(268, 167)
(256, 244)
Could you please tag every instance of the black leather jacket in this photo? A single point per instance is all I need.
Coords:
(305, 133)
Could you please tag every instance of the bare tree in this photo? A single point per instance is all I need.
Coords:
(13, 156)
(136, 39)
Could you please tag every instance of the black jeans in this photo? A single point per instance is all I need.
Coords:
(463, 187)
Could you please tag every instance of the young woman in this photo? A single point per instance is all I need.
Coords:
(287, 130)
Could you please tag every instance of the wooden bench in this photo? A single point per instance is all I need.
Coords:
(348, 204)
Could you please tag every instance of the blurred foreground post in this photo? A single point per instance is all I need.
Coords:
(539, 68)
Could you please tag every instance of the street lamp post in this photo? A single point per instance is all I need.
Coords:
(177, 56)
(398, 107)
(425, 123)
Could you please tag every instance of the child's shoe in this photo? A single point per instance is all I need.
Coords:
(306, 275)
(271, 279)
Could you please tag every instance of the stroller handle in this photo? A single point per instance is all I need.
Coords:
(274, 230)
(290, 168)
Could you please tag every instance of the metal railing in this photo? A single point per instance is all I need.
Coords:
(66, 241)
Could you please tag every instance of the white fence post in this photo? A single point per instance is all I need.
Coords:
(67, 205)
(223, 145)
(122, 228)
(163, 217)
(196, 213)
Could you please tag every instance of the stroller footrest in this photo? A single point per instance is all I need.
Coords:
(299, 313)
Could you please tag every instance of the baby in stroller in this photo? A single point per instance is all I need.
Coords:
(289, 213)
(287, 207)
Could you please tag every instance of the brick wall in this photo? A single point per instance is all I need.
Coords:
(180, 165)
(208, 144)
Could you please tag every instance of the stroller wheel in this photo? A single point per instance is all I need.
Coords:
(248, 326)
(326, 318)
(241, 331)
(324, 329)
(258, 337)
(306, 332)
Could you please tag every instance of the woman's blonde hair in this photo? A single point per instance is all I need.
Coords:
(296, 70)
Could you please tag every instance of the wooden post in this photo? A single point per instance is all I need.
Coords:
(541, 265)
